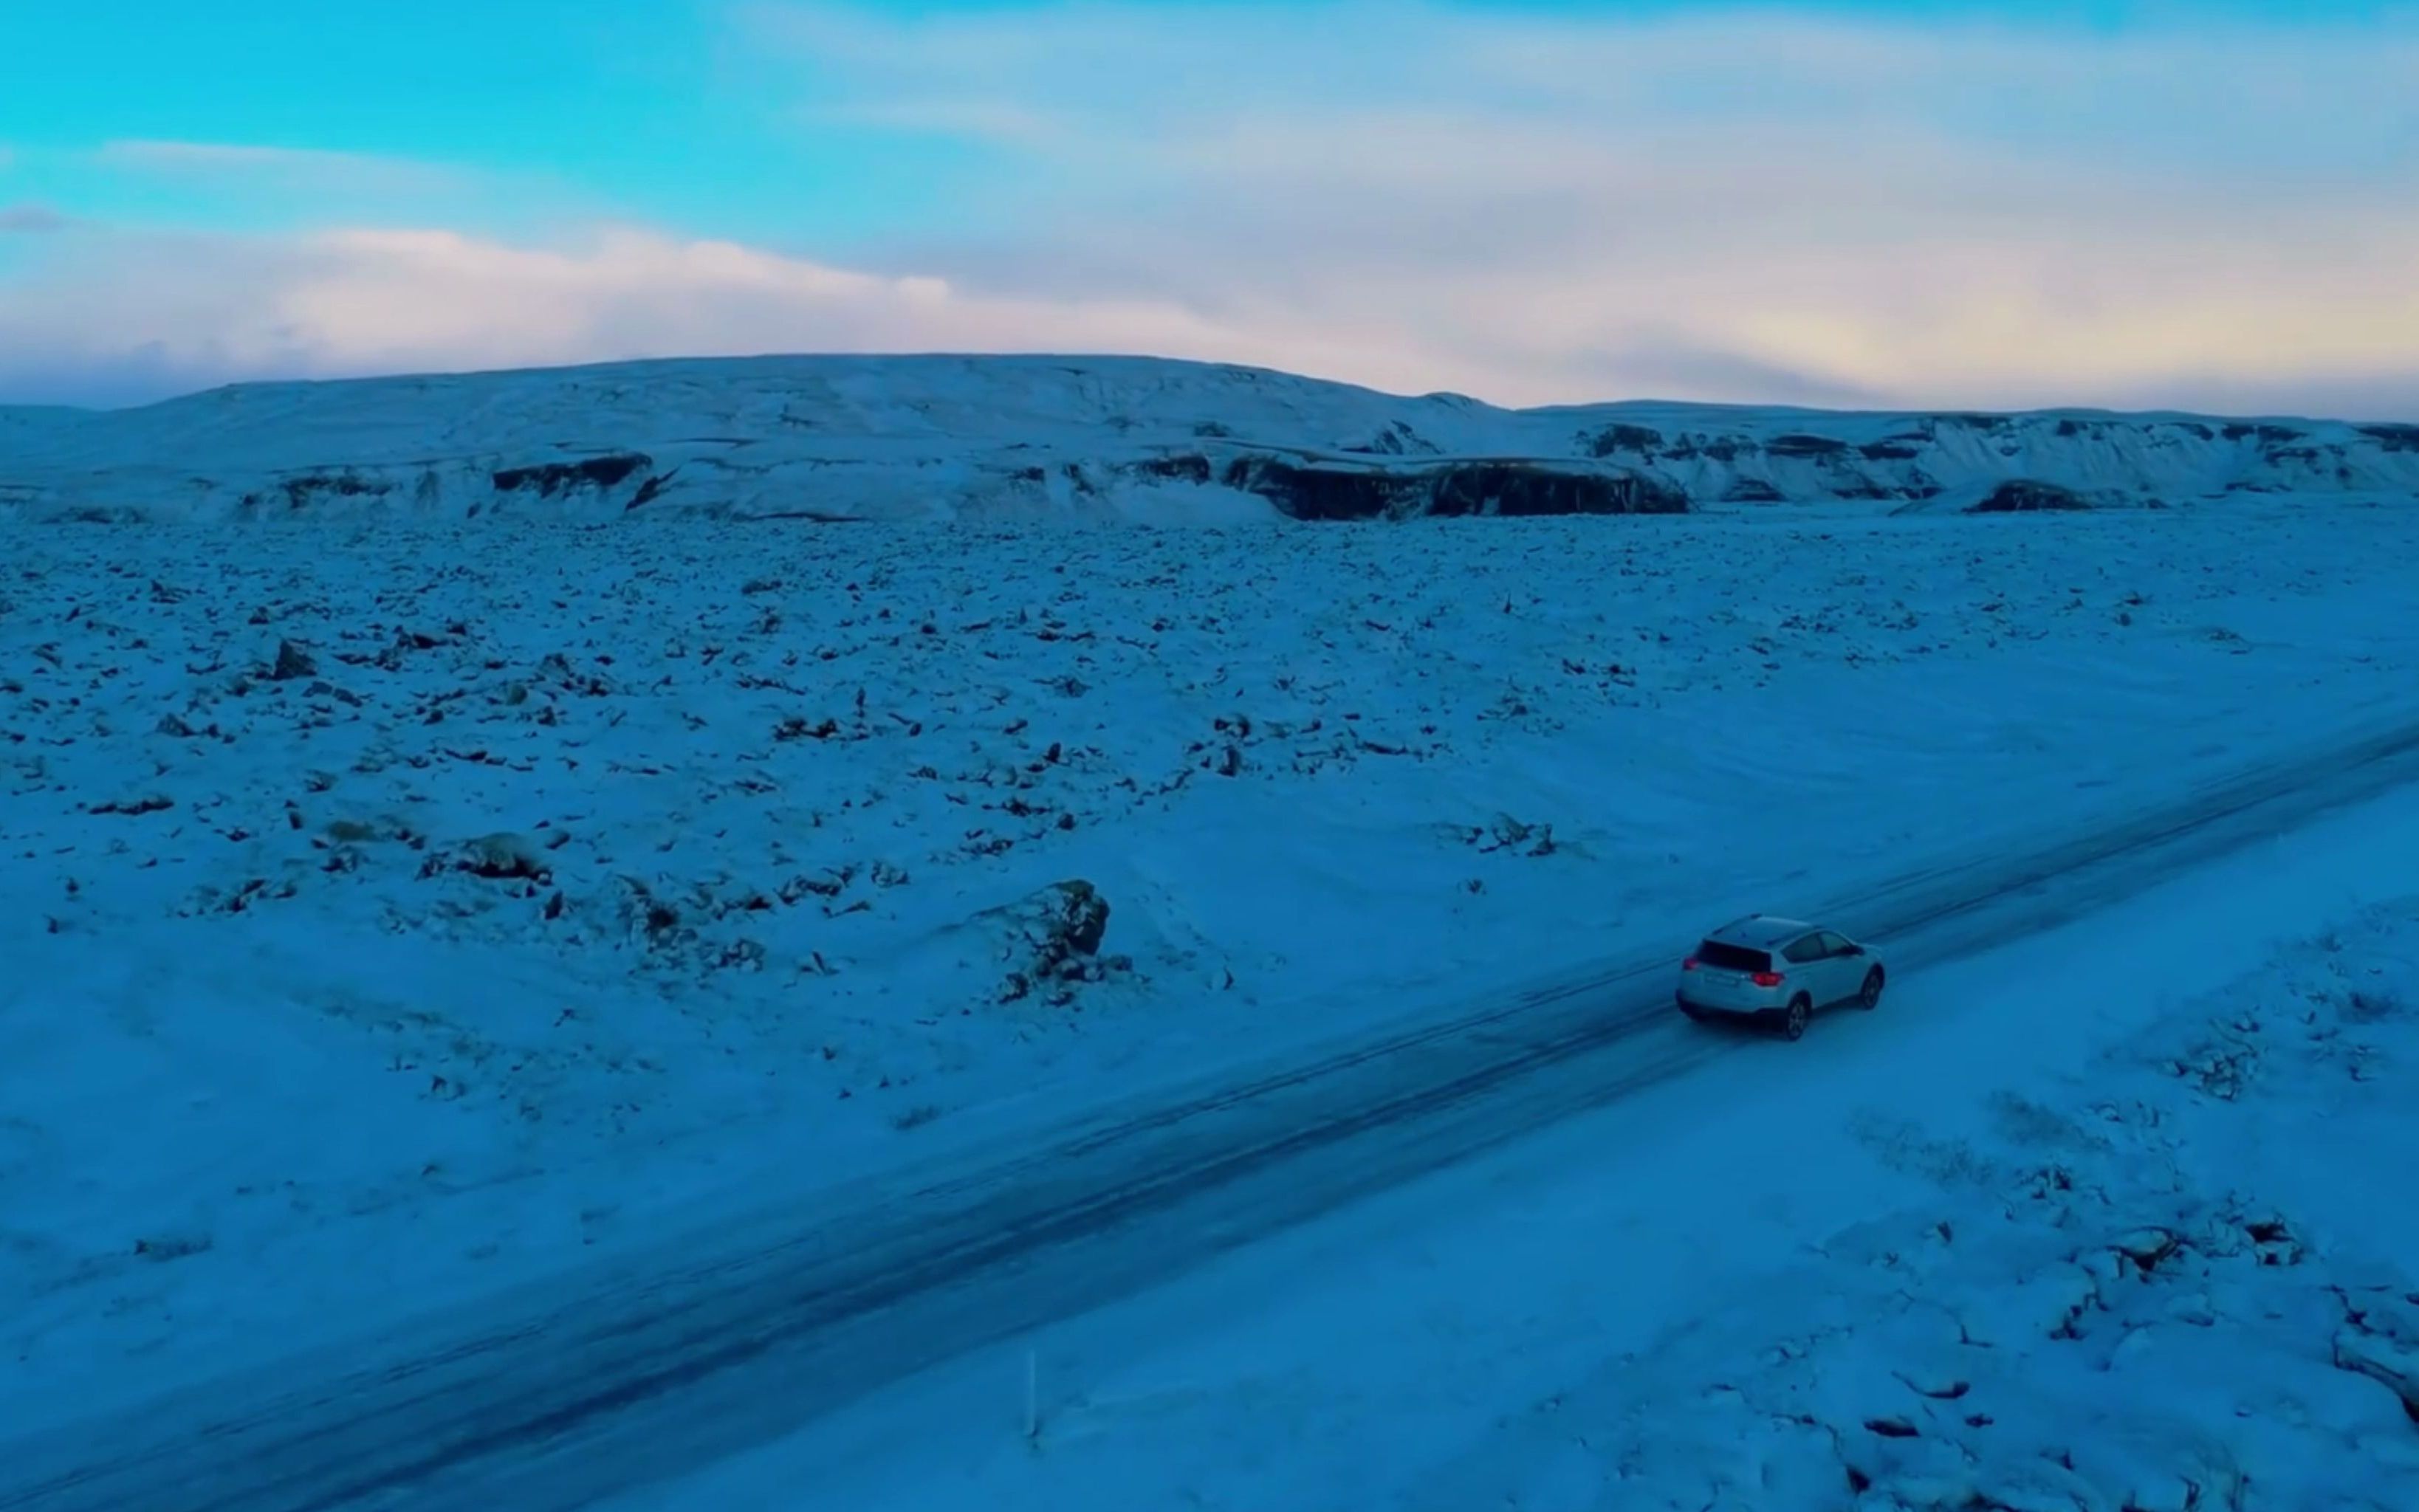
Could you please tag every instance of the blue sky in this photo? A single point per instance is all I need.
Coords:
(645, 107)
(2205, 203)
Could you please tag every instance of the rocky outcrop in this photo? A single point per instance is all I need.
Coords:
(2380, 1339)
(600, 475)
(303, 492)
(2021, 496)
(1344, 492)
(1396, 440)
(1053, 943)
(1614, 440)
(1799, 444)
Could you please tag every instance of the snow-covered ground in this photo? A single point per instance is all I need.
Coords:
(1103, 439)
(397, 910)
(2116, 1217)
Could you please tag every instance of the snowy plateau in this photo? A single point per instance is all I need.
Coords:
(462, 831)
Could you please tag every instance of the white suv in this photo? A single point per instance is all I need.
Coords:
(1777, 970)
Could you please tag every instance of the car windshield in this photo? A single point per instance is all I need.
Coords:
(1733, 957)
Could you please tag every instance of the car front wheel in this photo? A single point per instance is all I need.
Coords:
(1870, 997)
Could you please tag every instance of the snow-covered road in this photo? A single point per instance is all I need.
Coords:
(2109, 1215)
(568, 1394)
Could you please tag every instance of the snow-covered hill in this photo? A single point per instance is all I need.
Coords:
(389, 913)
(1004, 437)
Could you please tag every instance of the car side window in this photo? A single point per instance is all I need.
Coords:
(1809, 949)
(1833, 944)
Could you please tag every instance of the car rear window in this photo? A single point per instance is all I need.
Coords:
(1733, 957)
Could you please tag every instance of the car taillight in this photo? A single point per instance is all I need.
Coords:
(1766, 979)
(1689, 965)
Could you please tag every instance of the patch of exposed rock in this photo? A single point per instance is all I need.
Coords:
(1054, 940)
(2020, 496)
(1354, 491)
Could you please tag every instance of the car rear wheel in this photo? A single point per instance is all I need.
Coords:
(1795, 1018)
(1871, 995)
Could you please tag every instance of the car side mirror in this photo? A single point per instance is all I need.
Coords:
(1855, 949)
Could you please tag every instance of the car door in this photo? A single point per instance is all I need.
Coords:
(1844, 974)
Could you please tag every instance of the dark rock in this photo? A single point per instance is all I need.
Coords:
(1612, 438)
(1080, 917)
(151, 803)
(1189, 466)
(503, 858)
(651, 488)
(1753, 491)
(292, 662)
(1396, 439)
(2380, 1339)
(1889, 452)
(307, 489)
(548, 479)
(1804, 445)
(2396, 438)
(1334, 492)
(2268, 435)
(1055, 936)
(2148, 1249)
(2024, 495)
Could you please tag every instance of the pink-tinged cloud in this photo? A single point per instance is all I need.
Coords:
(355, 301)
(1964, 325)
